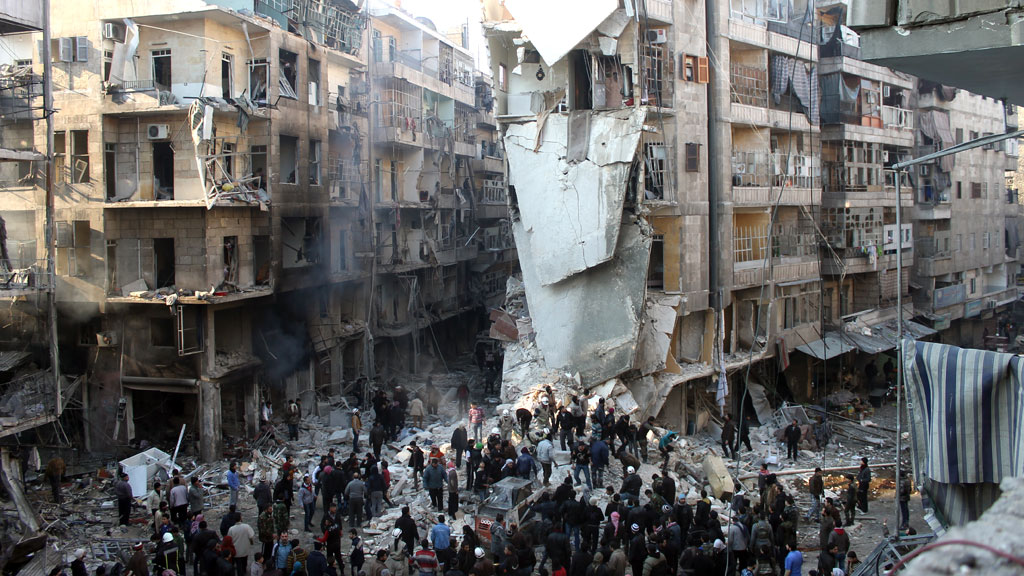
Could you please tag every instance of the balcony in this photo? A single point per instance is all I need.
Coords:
(28, 277)
(752, 31)
(345, 179)
(422, 71)
(758, 178)
(770, 118)
(898, 118)
(658, 11)
(749, 85)
(754, 272)
(488, 165)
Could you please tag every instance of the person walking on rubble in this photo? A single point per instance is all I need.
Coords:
(816, 487)
(355, 492)
(850, 500)
(905, 489)
(54, 475)
(293, 417)
(416, 463)
(744, 435)
(863, 484)
(357, 427)
(123, 493)
(433, 480)
(459, 443)
(377, 437)
(476, 420)
(545, 455)
(432, 397)
(728, 437)
(462, 393)
(416, 412)
(792, 436)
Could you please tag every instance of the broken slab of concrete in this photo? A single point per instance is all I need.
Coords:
(656, 333)
(590, 322)
(718, 477)
(555, 28)
(571, 209)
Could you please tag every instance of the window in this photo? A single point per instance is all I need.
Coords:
(313, 71)
(656, 267)
(984, 190)
(289, 160)
(975, 189)
(108, 59)
(73, 241)
(110, 168)
(161, 332)
(695, 69)
(163, 262)
(973, 135)
(971, 242)
(261, 259)
(288, 63)
(23, 63)
(163, 171)
(959, 135)
(692, 157)
(343, 251)
(959, 190)
(230, 259)
(258, 80)
(60, 162)
(79, 156)
(258, 164)
(985, 240)
(502, 77)
(228, 152)
(973, 285)
(227, 70)
(162, 69)
(959, 243)
(314, 162)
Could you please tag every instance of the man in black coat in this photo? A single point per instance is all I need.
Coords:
(460, 442)
(792, 435)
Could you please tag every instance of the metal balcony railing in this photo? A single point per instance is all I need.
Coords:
(900, 118)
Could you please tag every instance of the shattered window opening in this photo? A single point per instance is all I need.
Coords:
(314, 162)
(60, 156)
(110, 169)
(161, 332)
(230, 259)
(259, 72)
(258, 164)
(227, 68)
(657, 86)
(227, 150)
(289, 160)
(289, 67)
(580, 85)
(655, 170)
(163, 262)
(261, 259)
(656, 266)
(79, 156)
(163, 171)
(313, 72)
(161, 61)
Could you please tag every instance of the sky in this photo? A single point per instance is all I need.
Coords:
(447, 14)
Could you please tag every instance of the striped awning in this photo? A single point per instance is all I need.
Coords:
(966, 410)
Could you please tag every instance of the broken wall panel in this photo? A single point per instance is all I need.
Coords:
(571, 221)
(591, 321)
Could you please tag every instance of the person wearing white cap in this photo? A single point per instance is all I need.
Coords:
(506, 423)
(78, 564)
(483, 565)
(167, 553)
(357, 427)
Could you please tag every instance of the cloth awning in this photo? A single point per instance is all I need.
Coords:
(826, 348)
(872, 343)
(967, 424)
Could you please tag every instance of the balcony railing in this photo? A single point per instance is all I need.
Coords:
(754, 168)
(895, 117)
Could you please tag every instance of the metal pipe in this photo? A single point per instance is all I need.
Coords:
(899, 345)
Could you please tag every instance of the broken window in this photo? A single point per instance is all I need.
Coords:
(227, 70)
(313, 71)
(258, 164)
(656, 266)
(230, 259)
(163, 262)
(161, 332)
(108, 61)
(189, 333)
(343, 251)
(580, 86)
(227, 150)
(163, 171)
(73, 248)
(258, 79)
(300, 242)
(261, 259)
(162, 69)
(288, 63)
(60, 163)
(314, 162)
(80, 156)
(692, 157)
(656, 87)
(289, 160)
(110, 168)
(655, 170)
(502, 77)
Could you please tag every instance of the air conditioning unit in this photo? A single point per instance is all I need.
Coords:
(657, 36)
(107, 339)
(112, 31)
(157, 131)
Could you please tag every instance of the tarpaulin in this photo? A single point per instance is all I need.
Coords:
(790, 73)
(966, 411)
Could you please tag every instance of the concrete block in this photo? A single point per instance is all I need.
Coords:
(718, 477)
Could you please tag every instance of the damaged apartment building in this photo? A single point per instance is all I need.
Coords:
(703, 203)
(227, 229)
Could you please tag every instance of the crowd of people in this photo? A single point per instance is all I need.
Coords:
(644, 528)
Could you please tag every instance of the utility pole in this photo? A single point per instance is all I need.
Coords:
(50, 225)
(368, 342)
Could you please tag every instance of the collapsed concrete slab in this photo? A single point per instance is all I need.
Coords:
(555, 28)
(656, 333)
(570, 174)
(590, 322)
